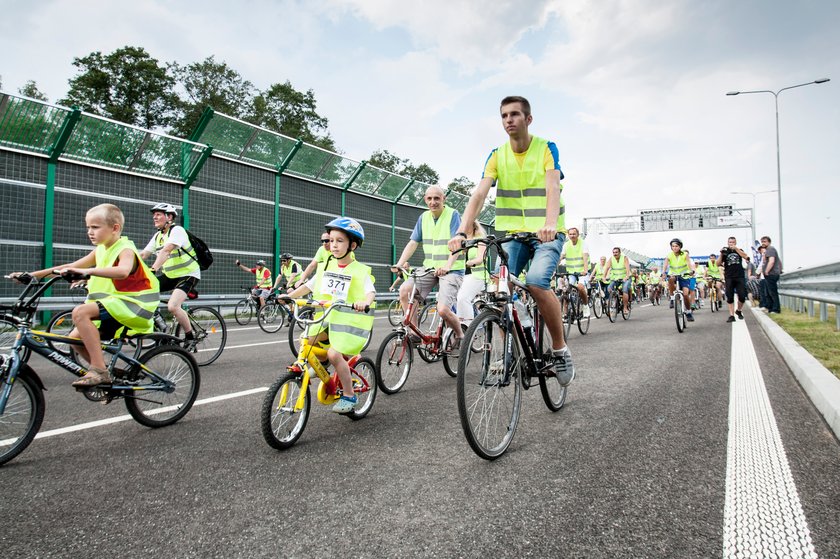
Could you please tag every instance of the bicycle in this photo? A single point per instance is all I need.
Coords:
(679, 306)
(396, 352)
(286, 407)
(714, 296)
(571, 304)
(655, 293)
(516, 350)
(273, 315)
(208, 327)
(597, 301)
(615, 302)
(245, 309)
(159, 386)
(395, 312)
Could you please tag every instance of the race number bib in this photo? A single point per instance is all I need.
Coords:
(336, 285)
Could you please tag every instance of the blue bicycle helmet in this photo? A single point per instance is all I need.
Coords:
(349, 226)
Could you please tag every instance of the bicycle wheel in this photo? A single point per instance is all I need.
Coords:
(678, 313)
(613, 303)
(281, 423)
(583, 323)
(395, 313)
(568, 314)
(8, 335)
(597, 303)
(365, 385)
(713, 301)
(211, 333)
(489, 390)
(450, 364)
(271, 318)
(553, 393)
(297, 330)
(393, 361)
(159, 407)
(23, 415)
(243, 312)
(626, 314)
(62, 324)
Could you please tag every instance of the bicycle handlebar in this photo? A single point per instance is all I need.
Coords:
(311, 303)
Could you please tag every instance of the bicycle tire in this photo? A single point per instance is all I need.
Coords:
(597, 303)
(450, 364)
(365, 369)
(393, 362)
(23, 415)
(296, 330)
(678, 313)
(626, 314)
(612, 306)
(583, 323)
(271, 318)
(152, 407)
(553, 393)
(8, 335)
(713, 300)
(280, 423)
(395, 313)
(489, 397)
(210, 329)
(243, 312)
(568, 315)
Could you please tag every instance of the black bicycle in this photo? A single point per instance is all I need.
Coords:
(159, 386)
(516, 352)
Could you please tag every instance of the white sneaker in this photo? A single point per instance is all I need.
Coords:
(586, 311)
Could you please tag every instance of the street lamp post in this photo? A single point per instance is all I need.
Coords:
(752, 221)
(775, 95)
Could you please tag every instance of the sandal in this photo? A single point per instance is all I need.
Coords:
(94, 377)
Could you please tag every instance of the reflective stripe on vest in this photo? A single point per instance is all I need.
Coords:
(436, 235)
(286, 271)
(181, 261)
(264, 281)
(678, 265)
(135, 308)
(617, 270)
(714, 269)
(349, 330)
(520, 192)
(574, 257)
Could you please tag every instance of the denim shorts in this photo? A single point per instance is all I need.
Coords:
(543, 257)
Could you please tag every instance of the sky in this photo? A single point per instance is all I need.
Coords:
(633, 92)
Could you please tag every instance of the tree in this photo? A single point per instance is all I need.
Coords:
(388, 161)
(127, 85)
(30, 89)
(284, 109)
(209, 84)
(462, 185)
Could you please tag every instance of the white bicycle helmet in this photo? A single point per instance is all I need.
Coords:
(165, 208)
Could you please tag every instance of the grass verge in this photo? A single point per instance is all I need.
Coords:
(821, 339)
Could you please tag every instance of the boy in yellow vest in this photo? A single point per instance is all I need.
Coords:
(122, 290)
(343, 278)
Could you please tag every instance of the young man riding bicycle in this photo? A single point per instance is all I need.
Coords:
(526, 172)
(679, 267)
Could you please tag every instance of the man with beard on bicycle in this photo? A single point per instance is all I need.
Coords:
(526, 172)
(176, 264)
(577, 263)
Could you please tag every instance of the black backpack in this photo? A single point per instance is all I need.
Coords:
(202, 252)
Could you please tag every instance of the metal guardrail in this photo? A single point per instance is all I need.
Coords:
(817, 284)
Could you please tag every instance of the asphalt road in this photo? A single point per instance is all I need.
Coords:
(635, 464)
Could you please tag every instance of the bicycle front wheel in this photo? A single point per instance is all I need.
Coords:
(597, 303)
(148, 402)
(23, 415)
(211, 332)
(489, 388)
(281, 422)
(8, 335)
(553, 393)
(393, 361)
(625, 314)
(568, 314)
(612, 306)
(678, 313)
(271, 318)
(243, 312)
(365, 385)
(583, 322)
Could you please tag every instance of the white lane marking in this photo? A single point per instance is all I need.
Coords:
(102, 422)
(762, 516)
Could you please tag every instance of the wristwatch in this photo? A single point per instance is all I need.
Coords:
(461, 234)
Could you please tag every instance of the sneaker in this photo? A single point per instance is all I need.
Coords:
(689, 317)
(94, 377)
(345, 404)
(455, 347)
(739, 314)
(730, 319)
(190, 341)
(586, 312)
(564, 369)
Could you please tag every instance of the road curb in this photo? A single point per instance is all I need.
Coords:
(821, 386)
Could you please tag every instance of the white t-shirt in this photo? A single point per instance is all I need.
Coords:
(177, 237)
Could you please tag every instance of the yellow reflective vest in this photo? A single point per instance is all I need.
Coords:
(436, 235)
(574, 257)
(617, 271)
(182, 261)
(348, 329)
(678, 264)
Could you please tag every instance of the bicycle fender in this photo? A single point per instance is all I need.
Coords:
(28, 372)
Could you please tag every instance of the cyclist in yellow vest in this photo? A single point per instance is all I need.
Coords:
(679, 267)
(714, 274)
(175, 265)
(433, 229)
(526, 172)
(343, 278)
(577, 263)
(122, 292)
(262, 277)
(290, 272)
(618, 272)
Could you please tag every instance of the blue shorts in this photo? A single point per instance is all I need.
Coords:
(687, 283)
(543, 257)
(625, 287)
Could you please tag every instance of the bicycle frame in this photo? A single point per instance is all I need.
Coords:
(433, 341)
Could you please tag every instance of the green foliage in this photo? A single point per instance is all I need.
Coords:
(284, 109)
(462, 185)
(388, 161)
(127, 85)
(30, 89)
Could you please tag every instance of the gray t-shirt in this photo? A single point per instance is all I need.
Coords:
(777, 264)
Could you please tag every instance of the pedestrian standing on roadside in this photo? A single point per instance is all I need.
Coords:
(772, 269)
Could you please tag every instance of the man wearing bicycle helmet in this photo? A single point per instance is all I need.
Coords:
(175, 264)
(526, 172)
(680, 267)
(342, 278)
(290, 271)
(262, 276)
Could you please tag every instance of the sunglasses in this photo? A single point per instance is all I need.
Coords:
(325, 241)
